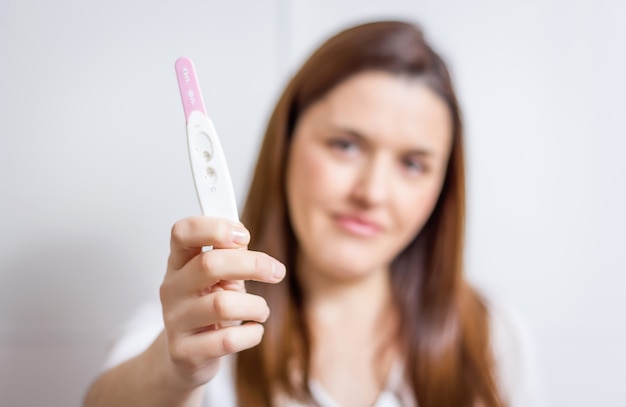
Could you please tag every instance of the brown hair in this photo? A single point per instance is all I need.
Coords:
(444, 332)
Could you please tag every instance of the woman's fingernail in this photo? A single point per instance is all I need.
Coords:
(240, 236)
(278, 270)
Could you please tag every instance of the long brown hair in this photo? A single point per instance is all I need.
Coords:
(444, 332)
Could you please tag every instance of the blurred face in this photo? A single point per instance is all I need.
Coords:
(366, 166)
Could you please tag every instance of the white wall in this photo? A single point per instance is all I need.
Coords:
(93, 165)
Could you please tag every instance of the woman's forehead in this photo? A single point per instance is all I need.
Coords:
(381, 105)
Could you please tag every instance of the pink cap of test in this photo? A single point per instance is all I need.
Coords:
(188, 85)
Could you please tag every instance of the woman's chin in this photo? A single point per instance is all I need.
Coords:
(350, 271)
(344, 260)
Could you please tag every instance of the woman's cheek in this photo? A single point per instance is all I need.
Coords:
(418, 202)
(324, 175)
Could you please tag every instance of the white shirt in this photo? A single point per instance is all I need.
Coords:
(515, 370)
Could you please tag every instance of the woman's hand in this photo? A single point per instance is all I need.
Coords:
(204, 298)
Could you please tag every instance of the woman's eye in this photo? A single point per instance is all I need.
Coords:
(413, 165)
(344, 145)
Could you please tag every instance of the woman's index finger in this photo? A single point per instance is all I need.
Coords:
(190, 235)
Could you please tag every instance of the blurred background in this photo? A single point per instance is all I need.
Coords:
(94, 169)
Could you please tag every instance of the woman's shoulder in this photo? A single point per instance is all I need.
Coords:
(142, 328)
(136, 334)
(513, 351)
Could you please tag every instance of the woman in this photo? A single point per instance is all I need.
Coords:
(354, 240)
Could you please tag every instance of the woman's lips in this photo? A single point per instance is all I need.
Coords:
(358, 226)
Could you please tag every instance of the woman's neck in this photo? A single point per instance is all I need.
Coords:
(331, 301)
(353, 324)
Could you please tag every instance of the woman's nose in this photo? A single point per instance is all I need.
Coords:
(373, 182)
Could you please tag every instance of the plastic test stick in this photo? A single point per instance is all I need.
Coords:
(208, 163)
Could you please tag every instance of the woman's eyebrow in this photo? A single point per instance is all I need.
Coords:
(423, 152)
(349, 132)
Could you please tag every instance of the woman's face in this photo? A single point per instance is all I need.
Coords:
(365, 169)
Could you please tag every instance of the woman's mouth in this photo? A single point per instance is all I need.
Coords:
(358, 226)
